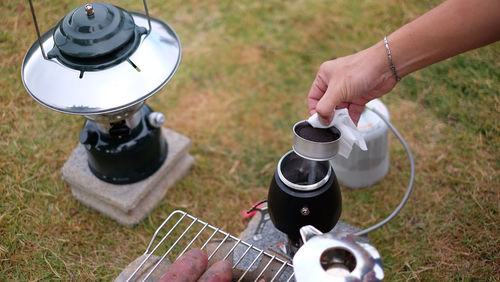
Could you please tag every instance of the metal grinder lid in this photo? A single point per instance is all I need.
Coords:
(116, 87)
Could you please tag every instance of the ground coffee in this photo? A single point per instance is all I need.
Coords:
(306, 131)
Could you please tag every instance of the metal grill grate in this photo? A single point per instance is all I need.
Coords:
(186, 232)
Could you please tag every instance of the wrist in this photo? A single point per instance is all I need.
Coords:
(389, 58)
(381, 64)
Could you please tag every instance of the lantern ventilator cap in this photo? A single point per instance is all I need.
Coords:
(95, 37)
(102, 60)
(315, 141)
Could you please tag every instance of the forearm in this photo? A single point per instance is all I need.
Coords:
(451, 28)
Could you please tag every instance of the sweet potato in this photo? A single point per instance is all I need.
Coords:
(187, 268)
(220, 271)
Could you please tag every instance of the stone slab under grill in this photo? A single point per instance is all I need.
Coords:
(261, 233)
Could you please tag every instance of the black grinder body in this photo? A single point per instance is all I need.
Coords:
(292, 209)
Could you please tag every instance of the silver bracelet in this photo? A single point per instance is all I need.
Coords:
(389, 56)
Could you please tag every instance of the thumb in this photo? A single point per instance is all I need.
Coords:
(326, 105)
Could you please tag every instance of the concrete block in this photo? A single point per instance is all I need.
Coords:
(261, 233)
(128, 203)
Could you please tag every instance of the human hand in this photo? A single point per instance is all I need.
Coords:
(192, 267)
(350, 82)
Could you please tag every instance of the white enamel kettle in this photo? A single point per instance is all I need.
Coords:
(328, 257)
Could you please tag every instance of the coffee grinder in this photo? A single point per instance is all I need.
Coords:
(304, 202)
(304, 189)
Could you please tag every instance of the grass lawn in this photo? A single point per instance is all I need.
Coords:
(246, 69)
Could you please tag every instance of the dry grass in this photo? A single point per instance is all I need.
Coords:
(246, 69)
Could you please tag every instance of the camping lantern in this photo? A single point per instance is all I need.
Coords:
(103, 62)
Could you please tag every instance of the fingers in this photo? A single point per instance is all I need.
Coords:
(325, 93)
(355, 112)
(347, 82)
(327, 104)
(187, 268)
(220, 271)
(342, 105)
(312, 105)
(317, 90)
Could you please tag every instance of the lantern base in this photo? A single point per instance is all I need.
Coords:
(128, 204)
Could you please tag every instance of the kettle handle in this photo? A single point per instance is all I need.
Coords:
(38, 29)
